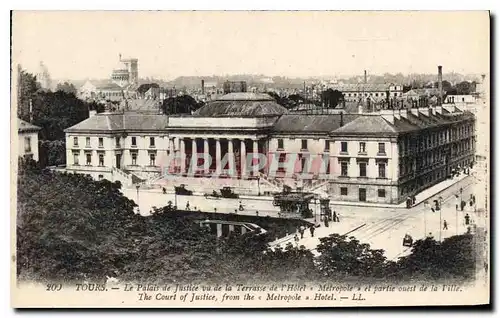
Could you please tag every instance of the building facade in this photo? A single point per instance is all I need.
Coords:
(382, 156)
(27, 140)
(375, 92)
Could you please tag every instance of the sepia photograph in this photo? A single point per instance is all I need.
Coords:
(250, 159)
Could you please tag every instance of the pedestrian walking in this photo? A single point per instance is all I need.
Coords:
(338, 217)
(257, 213)
(445, 225)
(467, 219)
(215, 210)
(334, 216)
(326, 222)
(296, 239)
(164, 191)
(187, 206)
(302, 229)
(311, 228)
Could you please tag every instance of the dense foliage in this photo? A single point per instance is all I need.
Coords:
(53, 112)
(70, 227)
(184, 104)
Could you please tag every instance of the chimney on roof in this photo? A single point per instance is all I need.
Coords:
(203, 86)
(440, 84)
(366, 79)
(31, 110)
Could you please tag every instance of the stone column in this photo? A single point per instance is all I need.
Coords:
(254, 156)
(230, 157)
(206, 167)
(182, 155)
(243, 159)
(217, 156)
(194, 154)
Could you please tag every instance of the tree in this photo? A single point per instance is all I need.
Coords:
(70, 227)
(452, 258)
(54, 112)
(341, 256)
(464, 88)
(67, 88)
(184, 104)
(27, 89)
(331, 98)
(52, 152)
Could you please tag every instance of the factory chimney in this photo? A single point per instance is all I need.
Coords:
(440, 84)
(366, 79)
(203, 86)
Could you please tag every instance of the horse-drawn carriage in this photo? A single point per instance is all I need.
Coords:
(181, 190)
(293, 204)
(225, 192)
(407, 241)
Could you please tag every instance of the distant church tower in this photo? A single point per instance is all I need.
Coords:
(43, 77)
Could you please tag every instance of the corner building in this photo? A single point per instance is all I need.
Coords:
(375, 157)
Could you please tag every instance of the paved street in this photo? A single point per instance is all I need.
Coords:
(382, 228)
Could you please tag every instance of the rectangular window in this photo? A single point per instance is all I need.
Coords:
(75, 141)
(151, 141)
(117, 142)
(362, 147)
(152, 159)
(327, 145)
(381, 170)
(134, 142)
(343, 169)
(27, 144)
(75, 159)
(87, 142)
(101, 142)
(343, 191)
(343, 146)
(304, 144)
(134, 159)
(101, 159)
(280, 144)
(362, 169)
(381, 193)
(89, 159)
(381, 148)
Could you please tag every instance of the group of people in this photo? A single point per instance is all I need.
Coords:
(302, 229)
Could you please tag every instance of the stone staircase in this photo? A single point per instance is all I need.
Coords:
(317, 186)
(126, 178)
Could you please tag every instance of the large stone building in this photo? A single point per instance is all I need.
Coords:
(259, 146)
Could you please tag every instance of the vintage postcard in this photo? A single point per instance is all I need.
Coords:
(250, 158)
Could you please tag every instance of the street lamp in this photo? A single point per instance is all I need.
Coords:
(137, 187)
(258, 185)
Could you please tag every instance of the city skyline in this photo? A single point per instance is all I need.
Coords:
(223, 43)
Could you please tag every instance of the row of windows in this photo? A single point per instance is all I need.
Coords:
(371, 94)
(88, 159)
(362, 193)
(117, 142)
(344, 168)
(343, 146)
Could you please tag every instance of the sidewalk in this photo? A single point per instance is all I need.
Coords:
(420, 197)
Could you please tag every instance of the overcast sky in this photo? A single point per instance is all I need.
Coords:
(78, 45)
